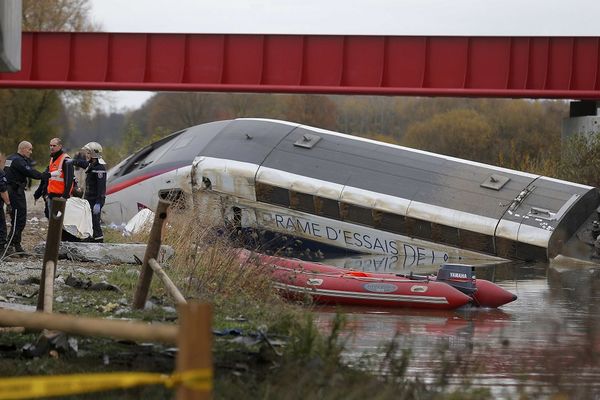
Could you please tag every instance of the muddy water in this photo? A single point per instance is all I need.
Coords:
(545, 343)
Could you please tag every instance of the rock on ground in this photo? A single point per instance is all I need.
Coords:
(105, 253)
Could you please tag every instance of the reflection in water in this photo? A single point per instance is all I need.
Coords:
(546, 342)
(394, 264)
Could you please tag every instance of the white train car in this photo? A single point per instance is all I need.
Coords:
(356, 194)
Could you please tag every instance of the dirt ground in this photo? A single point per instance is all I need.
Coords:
(22, 272)
(13, 268)
(31, 354)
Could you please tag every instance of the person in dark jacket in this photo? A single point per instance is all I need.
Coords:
(4, 199)
(95, 184)
(18, 168)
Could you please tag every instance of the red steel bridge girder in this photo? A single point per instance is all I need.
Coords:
(533, 67)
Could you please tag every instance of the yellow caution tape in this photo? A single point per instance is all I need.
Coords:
(45, 386)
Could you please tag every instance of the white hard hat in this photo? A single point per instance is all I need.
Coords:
(95, 150)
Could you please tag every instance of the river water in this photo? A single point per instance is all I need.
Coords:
(546, 343)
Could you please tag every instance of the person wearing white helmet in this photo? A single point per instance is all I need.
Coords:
(95, 185)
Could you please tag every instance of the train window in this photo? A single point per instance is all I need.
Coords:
(357, 214)
(389, 222)
(444, 234)
(418, 228)
(506, 248)
(134, 161)
(476, 241)
(154, 155)
(327, 207)
(237, 217)
(302, 202)
(147, 155)
(272, 194)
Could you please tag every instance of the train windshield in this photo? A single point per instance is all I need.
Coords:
(147, 155)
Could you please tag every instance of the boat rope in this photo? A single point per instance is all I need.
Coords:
(349, 275)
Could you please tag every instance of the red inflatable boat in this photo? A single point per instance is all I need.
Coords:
(453, 287)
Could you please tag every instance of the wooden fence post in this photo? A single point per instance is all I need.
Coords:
(57, 207)
(152, 250)
(194, 340)
(49, 287)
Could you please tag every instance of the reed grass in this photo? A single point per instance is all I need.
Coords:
(207, 267)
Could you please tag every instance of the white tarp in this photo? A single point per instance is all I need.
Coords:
(142, 221)
(78, 218)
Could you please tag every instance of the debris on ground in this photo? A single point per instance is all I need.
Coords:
(87, 284)
(105, 253)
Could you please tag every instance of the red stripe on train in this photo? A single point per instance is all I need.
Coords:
(133, 181)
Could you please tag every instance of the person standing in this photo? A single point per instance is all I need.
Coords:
(61, 172)
(18, 169)
(95, 185)
(4, 199)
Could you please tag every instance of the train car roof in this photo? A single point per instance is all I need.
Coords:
(385, 168)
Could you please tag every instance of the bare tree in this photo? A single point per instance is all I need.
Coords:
(58, 16)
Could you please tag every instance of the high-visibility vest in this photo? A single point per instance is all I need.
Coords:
(56, 184)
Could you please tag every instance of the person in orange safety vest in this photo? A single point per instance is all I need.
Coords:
(61, 172)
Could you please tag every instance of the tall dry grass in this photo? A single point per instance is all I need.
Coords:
(207, 267)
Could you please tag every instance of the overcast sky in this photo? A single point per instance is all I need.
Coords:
(375, 17)
(351, 17)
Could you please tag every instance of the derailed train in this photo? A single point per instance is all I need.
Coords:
(356, 194)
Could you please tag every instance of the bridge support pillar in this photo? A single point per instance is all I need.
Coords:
(583, 119)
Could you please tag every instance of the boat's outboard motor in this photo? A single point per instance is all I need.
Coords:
(459, 276)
